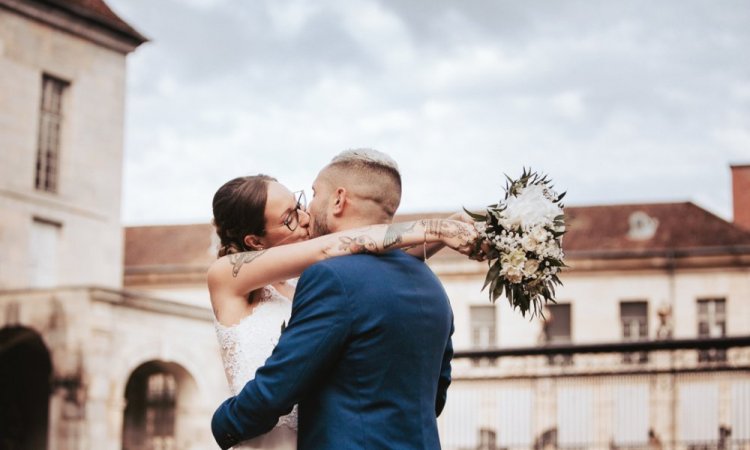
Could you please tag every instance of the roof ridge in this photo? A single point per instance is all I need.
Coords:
(98, 11)
(721, 219)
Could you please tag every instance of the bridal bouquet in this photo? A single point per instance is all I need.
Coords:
(521, 238)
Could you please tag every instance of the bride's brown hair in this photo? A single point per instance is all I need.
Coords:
(239, 206)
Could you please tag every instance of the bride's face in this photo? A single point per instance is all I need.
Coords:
(286, 217)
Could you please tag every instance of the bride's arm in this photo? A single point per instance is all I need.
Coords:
(427, 250)
(241, 273)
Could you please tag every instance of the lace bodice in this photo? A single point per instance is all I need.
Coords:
(246, 345)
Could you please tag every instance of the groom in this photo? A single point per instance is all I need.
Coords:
(367, 350)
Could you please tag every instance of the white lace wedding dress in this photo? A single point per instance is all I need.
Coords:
(245, 347)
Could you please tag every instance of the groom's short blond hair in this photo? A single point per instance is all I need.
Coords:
(370, 175)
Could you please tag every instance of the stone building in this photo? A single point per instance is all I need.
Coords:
(640, 273)
(83, 363)
(622, 360)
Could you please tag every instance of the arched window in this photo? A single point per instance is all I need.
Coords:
(25, 370)
(150, 411)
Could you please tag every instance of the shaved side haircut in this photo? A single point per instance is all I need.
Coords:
(368, 175)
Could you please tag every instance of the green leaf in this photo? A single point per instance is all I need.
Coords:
(492, 288)
(476, 216)
(492, 274)
(498, 290)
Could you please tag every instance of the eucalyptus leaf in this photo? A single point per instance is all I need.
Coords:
(492, 274)
(498, 290)
(476, 216)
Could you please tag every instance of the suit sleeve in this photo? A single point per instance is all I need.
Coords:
(307, 349)
(445, 375)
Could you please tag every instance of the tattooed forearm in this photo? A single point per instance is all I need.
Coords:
(432, 227)
(446, 229)
(359, 244)
(395, 233)
(239, 259)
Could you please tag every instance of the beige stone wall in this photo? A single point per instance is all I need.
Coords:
(594, 297)
(97, 339)
(595, 302)
(191, 294)
(88, 202)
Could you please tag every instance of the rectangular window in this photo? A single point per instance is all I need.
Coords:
(576, 417)
(50, 125)
(712, 323)
(487, 439)
(630, 425)
(515, 425)
(483, 331)
(634, 321)
(740, 413)
(557, 330)
(483, 326)
(44, 253)
(698, 414)
(557, 323)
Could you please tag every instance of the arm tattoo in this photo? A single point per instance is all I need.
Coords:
(432, 227)
(359, 244)
(238, 259)
(446, 228)
(395, 233)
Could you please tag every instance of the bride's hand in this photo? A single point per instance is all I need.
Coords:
(475, 248)
(456, 232)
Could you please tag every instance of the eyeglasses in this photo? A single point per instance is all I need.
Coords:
(291, 220)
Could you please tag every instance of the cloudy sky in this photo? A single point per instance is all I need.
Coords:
(620, 102)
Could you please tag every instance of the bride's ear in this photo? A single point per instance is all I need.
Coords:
(253, 242)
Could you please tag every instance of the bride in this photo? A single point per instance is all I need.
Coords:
(251, 284)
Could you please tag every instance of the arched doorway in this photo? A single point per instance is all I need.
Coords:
(159, 398)
(25, 371)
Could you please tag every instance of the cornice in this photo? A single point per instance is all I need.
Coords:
(78, 23)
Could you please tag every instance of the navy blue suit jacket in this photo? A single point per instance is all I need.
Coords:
(366, 355)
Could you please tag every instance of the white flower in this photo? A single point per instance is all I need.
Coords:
(512, 266)
(513, 259)
(529, 243)
(531, 207)
(514, 275)
(530, 267)
(539, 233)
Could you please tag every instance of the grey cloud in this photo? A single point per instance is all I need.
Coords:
(605, 95)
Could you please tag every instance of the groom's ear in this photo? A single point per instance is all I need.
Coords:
(339, 201)
(253, 242)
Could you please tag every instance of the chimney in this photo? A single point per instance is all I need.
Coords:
(741, 195)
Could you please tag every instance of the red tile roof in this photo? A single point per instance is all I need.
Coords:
(182, 245)
(593, 230)
(97, 11)
(680, 226)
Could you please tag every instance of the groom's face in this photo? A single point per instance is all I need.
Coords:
(319, 207)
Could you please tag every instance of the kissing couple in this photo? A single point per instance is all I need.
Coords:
(356, 353)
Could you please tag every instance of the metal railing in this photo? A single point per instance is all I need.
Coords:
(674, 394)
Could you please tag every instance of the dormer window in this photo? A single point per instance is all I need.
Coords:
(642, 226)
